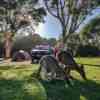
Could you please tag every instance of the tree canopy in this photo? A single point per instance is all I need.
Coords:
(71, 14)
(16, 13)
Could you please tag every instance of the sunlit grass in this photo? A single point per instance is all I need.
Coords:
(89, 60)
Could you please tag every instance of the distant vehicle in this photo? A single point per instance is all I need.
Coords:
(39, 51)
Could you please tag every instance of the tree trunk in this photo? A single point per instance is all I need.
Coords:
(64, 38)
(8, 45)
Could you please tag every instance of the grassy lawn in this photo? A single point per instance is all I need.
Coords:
(16, 83)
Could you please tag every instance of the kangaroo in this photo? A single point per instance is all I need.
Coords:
(68, 61)
(51, 68)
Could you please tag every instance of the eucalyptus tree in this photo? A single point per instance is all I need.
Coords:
(15, 14)
(70, 14)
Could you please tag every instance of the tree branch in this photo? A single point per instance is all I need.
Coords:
(48, 9)
(62, 11)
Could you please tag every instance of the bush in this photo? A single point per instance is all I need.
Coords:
(88, 51)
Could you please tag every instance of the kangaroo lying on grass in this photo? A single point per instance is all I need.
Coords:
(50, 69)
(68, 61)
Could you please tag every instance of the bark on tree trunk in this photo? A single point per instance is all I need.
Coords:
(64, 39)
(8, 45)
(63, 36)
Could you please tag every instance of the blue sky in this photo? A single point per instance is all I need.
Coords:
(51, 28)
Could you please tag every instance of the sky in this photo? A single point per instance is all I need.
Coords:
(50, 29)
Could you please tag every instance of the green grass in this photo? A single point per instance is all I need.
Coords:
(16, 83)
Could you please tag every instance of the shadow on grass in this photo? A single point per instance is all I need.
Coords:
(21, 90)
(91, 65)
(33, 89)
(82, 90)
